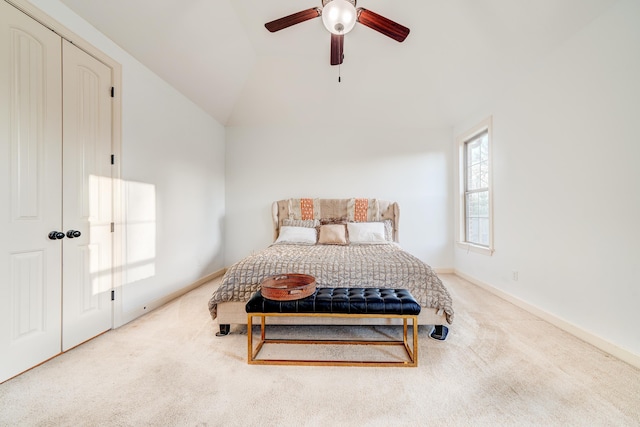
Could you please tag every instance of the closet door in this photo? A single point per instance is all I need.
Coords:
(87, 201)
(30, 192)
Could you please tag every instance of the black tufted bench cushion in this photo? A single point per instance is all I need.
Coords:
(337, 302)
(341, 300)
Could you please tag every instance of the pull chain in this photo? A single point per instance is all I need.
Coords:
(339, 79)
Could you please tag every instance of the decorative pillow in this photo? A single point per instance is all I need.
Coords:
(324, 221)
(297, 235)
(333, 234)
(362, 210)
(366, 232)
(308, 223)
(388, 230)
(304, 208)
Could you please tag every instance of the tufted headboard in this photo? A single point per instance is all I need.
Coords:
(354, 209)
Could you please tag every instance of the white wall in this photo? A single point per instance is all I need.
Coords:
(173, 176)
(566, 175)
(410, 166)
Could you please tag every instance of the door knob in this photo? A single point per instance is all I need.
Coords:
(73, 233)
(55, 235)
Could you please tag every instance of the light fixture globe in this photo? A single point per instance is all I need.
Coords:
(339, 16)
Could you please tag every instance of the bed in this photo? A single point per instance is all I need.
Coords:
(342, 243)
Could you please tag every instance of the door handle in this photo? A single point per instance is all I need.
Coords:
(55, 235)
(73, 233)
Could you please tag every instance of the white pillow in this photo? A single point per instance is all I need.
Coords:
(297, 235)
(366, 232)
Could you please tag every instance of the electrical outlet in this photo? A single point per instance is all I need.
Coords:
(514, 275)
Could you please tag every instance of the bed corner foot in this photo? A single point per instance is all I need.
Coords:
(439, 332)
(224, 330)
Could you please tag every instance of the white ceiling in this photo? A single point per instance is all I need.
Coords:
(459, 54)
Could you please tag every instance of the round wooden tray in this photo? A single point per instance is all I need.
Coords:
(288, 287)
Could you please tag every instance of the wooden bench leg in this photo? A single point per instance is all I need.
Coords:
(249, 338)
(251, 356)
(415, 339)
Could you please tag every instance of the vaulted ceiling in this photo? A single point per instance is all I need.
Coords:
(459, 55)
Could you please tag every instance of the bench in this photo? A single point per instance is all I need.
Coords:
(340, 303)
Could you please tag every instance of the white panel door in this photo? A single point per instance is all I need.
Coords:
(87, 201)
(30, 192)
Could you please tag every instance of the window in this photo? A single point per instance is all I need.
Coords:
(476, 191)
(475, 231)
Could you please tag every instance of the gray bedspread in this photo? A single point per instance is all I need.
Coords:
(379, 266)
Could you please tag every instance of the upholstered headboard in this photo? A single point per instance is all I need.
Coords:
(355, 209)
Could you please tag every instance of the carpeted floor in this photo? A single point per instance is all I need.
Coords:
(168, 369)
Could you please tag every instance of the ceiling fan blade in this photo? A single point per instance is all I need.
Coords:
(382, 25)
(296, 18)
(337, 49)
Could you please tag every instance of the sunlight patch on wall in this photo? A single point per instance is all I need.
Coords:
(96, 254)
(140, 234)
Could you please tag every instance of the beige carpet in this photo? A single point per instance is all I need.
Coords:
(168, 369)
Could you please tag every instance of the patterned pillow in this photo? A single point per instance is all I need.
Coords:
(388, 230)
(324, 221)
(308, 223)
(304, 208)
(363, 210)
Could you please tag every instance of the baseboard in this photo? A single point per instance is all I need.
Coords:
(202, 281)
(128, 317)
(595, 340)
(444, 270)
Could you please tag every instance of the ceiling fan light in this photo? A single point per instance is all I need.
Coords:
(339, 16)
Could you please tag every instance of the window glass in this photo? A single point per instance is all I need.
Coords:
(476, 191)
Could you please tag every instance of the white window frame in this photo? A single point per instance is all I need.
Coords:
(461, 229)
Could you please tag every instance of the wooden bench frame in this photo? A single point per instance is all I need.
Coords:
(412, 351)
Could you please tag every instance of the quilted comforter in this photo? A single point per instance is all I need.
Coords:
(378, 266)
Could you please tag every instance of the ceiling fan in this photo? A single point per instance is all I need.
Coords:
(339, 17)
